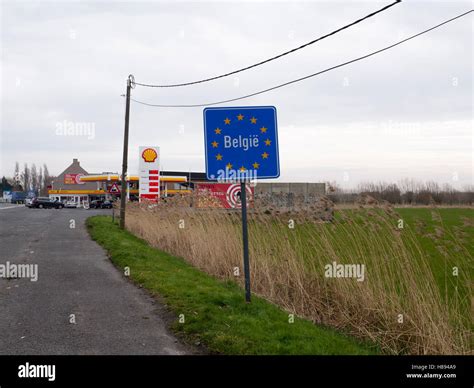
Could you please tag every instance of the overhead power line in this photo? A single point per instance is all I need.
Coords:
(308, 76)
(272, 58)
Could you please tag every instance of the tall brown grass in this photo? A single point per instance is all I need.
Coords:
(399, 304)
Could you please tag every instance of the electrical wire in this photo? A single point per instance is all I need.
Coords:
(273, 58)
(308, 76)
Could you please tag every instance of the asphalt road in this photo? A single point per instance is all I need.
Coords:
(112, 316)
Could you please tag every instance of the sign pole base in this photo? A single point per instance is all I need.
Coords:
(243, 197)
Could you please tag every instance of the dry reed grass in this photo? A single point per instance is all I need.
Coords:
(287, 267)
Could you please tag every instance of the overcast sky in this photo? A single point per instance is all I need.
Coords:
(406, 112)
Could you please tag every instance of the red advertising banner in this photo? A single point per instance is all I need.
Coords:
(73, 179)
(227, 194)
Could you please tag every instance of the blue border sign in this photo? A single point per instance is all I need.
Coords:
(241, 143)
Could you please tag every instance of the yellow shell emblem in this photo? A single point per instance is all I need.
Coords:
(149, 155)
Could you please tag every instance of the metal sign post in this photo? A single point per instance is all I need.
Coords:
(245, 238)
(241, 146)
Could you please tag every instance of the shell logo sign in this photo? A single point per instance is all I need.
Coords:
(149, 155)
(149, 173)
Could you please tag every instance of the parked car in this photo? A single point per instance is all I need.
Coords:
(45, 202)
(100, 204)
(28, 202)
(71, 204)
(106, 205)
(96, 204)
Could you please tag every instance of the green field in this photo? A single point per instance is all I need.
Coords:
(444, 236)
(447, 237)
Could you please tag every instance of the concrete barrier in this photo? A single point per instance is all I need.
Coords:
(300, 189)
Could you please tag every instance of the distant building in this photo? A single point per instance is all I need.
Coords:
(68, 186)
(77, 185)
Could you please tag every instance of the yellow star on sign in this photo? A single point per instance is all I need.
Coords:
(256, 165)
(240, 117)
(268, 142)
(229, 166)
(214, 144)
(227, 120)
(265, 155)
(242, 168)
(219, 157)
(263, 130)
(217, 131)
(253, 120)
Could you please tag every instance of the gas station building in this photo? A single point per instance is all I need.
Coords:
(77, 185)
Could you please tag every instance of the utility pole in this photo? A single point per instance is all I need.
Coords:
(123, 194)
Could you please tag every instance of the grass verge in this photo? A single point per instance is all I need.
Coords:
(214, 312)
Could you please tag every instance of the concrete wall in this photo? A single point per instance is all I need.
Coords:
(305, 189)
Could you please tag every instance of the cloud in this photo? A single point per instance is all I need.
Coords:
(69, 62)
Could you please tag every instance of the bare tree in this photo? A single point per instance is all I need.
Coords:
(406, 191)
(47, 179)
(17, 177)
(40, 180)
(391, 193)
(26, 178)
(34, 177)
